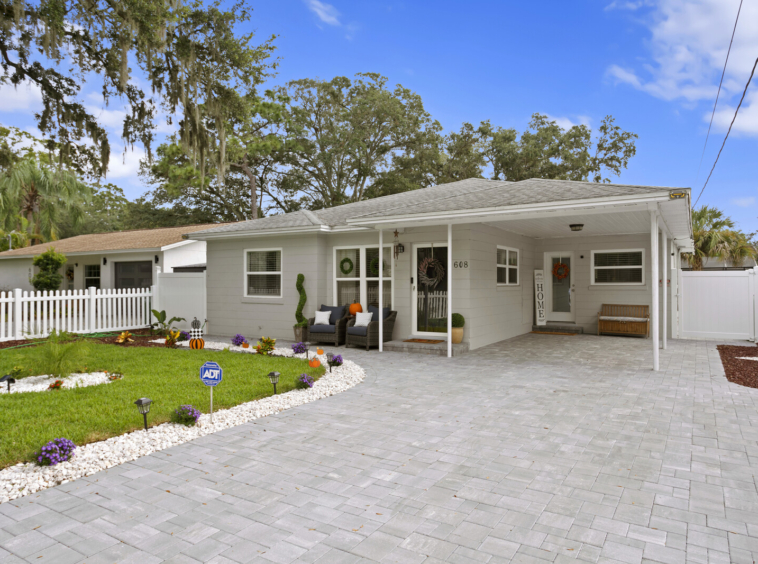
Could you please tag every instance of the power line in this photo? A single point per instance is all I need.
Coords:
(723, 72)
(729, 130)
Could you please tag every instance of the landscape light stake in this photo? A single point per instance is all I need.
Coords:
(329, 358)
(274, 377)
(307, 346)
(7, 378)
(143, 404)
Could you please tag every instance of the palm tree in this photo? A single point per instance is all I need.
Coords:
(42, 196)
(709, 232)
(736, 247)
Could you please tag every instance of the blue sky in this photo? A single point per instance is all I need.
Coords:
(652, 64)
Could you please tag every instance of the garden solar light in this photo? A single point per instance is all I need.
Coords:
(307, 346)
(7, 378)
(143, 404)
(274, 377)
(329, 357)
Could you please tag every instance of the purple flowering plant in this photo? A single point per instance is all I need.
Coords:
(55, 452)
(185, 415)
(304, 381)
(336, 360)
(183, 336)
(298, 348)
(238, 340)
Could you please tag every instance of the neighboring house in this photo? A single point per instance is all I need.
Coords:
(120, 259)
(492, 236)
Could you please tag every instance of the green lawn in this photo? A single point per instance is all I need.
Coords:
(169, 377)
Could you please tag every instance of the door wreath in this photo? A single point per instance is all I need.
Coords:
(560, 270)
(438, 272)
(346, 266)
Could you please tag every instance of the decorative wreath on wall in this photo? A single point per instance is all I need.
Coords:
(346, 266)
(373, 267)
(560, 270)
(438, 272)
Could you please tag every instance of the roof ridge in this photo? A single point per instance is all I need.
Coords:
(312, 217)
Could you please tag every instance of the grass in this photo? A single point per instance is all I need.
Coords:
(169, 377)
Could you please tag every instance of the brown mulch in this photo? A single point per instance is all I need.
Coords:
(742, 372)
(142, 338)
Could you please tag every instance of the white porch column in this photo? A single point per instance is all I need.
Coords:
(664, 286)
(449, 290)
(381, 290)
(654, 285)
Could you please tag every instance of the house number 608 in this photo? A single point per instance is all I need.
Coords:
(460, 264)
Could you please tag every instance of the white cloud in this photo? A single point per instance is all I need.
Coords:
(22, 97)
(325, 12)
(568, 123)
(688, 45)
(747, 120)
(125, 164)
(744, 202)
(627, 4)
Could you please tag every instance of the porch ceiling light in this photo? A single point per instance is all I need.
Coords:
(576, 226)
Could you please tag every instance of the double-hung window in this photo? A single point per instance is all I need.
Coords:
(356, 275)
(263, 273)
(92, 276)
(618, 267)
(507, 266)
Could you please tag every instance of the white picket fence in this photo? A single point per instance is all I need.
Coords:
(437, 304)
(35, 314)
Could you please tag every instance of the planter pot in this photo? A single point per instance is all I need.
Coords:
(301, 334)
(457, 335)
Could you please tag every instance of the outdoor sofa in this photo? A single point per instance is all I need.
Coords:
(369, 336)
(333, 333)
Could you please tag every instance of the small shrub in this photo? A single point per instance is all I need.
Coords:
(238, 340)
(55, 452)
(458, 320)
(301, 320)
(265, 346)
(124, 338)
(298, 348)
(49, 263)
(55, 385)
(185, 415)
(61, 354)
(336, 360)
(183, 336)
(304, 381)
(171, 338)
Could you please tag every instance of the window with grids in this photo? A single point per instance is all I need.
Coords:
(618, 267)
(507, 266)
(263, 273)
(92, 276)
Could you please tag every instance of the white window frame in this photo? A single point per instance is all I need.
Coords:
(245, 273)
(99, 276)
(507, 266)
(364, 277)
(604, 251)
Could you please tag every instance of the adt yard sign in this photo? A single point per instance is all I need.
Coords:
(211, 374)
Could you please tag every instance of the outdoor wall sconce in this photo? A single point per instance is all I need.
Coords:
(143, 404)
(329, 359)
(576, 226)
(274, 378)
(105, 261)
(76, 264)
(156, 259)
(7, 378)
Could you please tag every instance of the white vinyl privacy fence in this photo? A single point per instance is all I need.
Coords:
(718, 305)
(35, 314)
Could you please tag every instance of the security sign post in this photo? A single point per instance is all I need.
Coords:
(211, 375)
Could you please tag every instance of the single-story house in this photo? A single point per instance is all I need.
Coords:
(490, 237)
(122, 259)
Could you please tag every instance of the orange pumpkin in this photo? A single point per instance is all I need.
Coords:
(197, 344)
(314, 363)
(355, 308)
(319, 351)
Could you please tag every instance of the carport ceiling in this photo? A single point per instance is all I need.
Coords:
(595, 224)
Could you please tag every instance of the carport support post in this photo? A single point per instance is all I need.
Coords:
(381, 290)
(664, 286)
(654, 285)
(449, 290)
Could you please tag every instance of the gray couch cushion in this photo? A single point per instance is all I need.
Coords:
(338, 312)
(375, 311)
(322, 328)
(357, 331)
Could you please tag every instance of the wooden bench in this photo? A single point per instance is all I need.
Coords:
(624, 320)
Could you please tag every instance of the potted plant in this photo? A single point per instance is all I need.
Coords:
(301, 327)
(458, 322)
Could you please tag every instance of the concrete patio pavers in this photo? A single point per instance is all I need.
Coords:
(541, 448)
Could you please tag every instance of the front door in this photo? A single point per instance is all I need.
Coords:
(559, 278)
(429, 293)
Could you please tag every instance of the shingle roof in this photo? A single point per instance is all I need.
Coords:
(472, 193)
(114, 241)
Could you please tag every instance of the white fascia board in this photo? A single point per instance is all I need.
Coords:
(507, 212)
(90, 253)
(179, 244)
(283, 231)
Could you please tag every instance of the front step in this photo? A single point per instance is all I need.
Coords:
(555, 328)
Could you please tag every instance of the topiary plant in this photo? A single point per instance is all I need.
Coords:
(458, 320)
(49, 263)
(301, 320)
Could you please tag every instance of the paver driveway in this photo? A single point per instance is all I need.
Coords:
(539, 448)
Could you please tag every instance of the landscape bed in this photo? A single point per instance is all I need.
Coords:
(737, 369)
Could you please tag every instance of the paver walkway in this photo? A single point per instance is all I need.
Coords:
(540, 448)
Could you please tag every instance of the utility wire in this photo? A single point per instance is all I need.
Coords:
(728, 131)
(723, 72)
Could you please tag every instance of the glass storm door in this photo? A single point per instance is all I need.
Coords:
(429, 292)
(560, 286)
